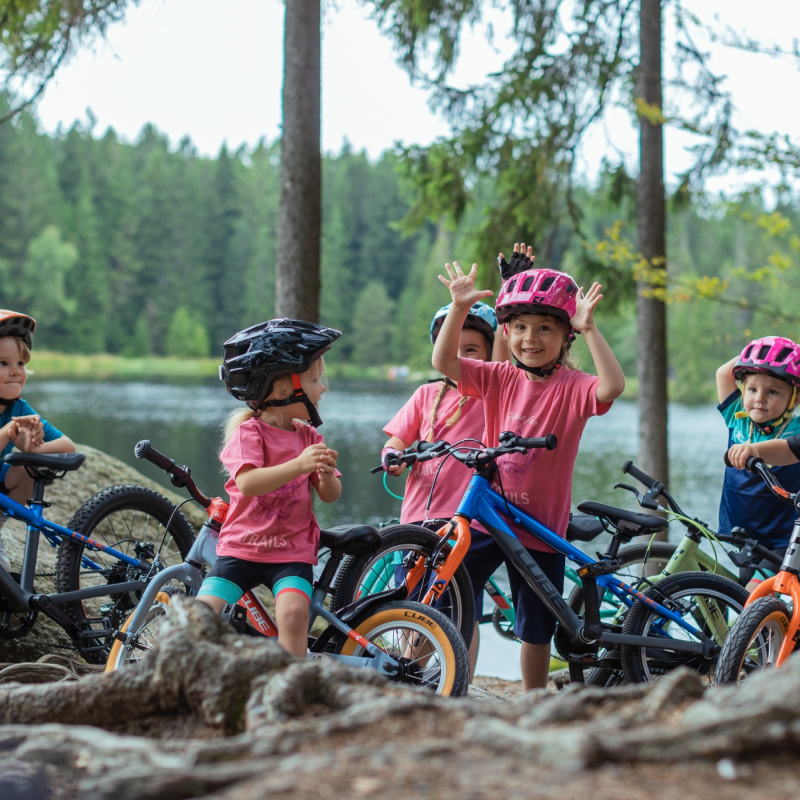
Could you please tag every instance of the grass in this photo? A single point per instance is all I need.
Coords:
(68, 365)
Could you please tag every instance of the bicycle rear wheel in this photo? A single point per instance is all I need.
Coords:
(709, 603)
(127, 518)
(755, 641)
(431, 650)
(387, 568)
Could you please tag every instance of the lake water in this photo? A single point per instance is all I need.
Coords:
(183, 421)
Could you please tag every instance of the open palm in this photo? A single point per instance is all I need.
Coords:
(462, 287)
(585, 306)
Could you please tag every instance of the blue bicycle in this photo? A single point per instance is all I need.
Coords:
(680, 620)
(113, 546)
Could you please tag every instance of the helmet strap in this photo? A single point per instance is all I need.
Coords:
(6, 403)
(538, 371)
(298, 396)
(768, 428)
(444, 379)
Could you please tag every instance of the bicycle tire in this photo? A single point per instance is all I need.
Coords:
(768, 613)
(457, 602)
(449, 650)
(656, 553)
(118, 657)
(503, 627)
(132, 508)
(636, 661)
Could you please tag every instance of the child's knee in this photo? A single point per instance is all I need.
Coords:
(292, 610)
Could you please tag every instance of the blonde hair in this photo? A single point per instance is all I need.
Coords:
(569, 361)
(455, 417)
(23, 348)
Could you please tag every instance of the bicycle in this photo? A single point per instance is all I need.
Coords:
(404, 641)
(107, 555)
(767, 631)
(669, 640)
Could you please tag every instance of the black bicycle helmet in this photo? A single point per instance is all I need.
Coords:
(253, 358)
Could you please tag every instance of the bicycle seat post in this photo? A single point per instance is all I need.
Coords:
(32, 536)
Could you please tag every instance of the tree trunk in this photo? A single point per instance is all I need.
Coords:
(299, 223)
(651, 312)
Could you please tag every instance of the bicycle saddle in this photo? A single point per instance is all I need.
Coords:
(47, 462)
(627, 523)
(583, 528)
(358, 540)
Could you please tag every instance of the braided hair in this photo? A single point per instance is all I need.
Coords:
(456, 416)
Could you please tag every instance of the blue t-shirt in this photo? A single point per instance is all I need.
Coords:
(20, 408)
(746, 501)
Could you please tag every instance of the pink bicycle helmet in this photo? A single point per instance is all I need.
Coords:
(537, 291)
(773, 355)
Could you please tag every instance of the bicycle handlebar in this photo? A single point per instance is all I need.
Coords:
(180, 476)
(630, 469)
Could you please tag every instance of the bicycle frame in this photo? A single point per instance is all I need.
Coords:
(190, 573)
(20, 597)
(480, 502)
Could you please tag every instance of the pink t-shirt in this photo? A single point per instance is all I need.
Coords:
(540, 481)
(278, 527)
(411, 424)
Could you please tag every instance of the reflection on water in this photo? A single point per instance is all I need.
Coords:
(183, 421)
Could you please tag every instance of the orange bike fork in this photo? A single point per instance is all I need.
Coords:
(458, 529)
(782, 583)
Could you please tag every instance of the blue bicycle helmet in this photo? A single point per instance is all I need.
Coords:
(481, 318)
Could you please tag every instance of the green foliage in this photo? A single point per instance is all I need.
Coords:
(372, 325)
(140, 344)
(36, 36)
(187, 336)
(43, 285)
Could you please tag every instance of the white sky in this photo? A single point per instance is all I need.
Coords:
(212, 70)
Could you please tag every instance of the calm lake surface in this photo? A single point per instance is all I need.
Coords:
(183, 421)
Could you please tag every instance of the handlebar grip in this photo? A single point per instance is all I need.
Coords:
(629, 469)
(423, 446)
(752, 463)
(376, 469)
(727, 460)
(549, 442)
(145, 450)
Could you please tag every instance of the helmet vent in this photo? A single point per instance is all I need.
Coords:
(747, 352)
(762, 353)
(526, 284)
(572, 288)
(783, 353)
(511, 287)
(547, 283)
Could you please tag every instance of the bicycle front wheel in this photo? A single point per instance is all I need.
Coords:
(432, 652)
(387, 567)
(121, 656)
(133, 520)
(755, 642)
(709, 603)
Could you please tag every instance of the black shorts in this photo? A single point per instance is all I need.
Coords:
(535, 624)
(229, 578)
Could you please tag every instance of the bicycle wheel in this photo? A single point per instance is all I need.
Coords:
(385, 569)
(503, 626)
(128, 518)
(755, 641)
(120, 657)
(633, 557)
(431, 650)
(711, 603)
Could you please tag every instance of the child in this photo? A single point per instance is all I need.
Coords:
(759, 415)
(544, 393)
(438, 411)
(20, 425)
(273, 457)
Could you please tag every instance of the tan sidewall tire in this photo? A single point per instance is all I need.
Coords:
(112, 664)
(418, 621)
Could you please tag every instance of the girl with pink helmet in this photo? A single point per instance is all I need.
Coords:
(544, 393)
(760, 413)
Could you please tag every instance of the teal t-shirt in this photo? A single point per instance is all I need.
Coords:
(21, 408)
(746, 501)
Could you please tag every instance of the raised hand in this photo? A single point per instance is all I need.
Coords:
(309, 460)
(585, 306)
(521, 259)
(462, 287)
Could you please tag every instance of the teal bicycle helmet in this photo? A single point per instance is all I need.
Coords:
(481, 318)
